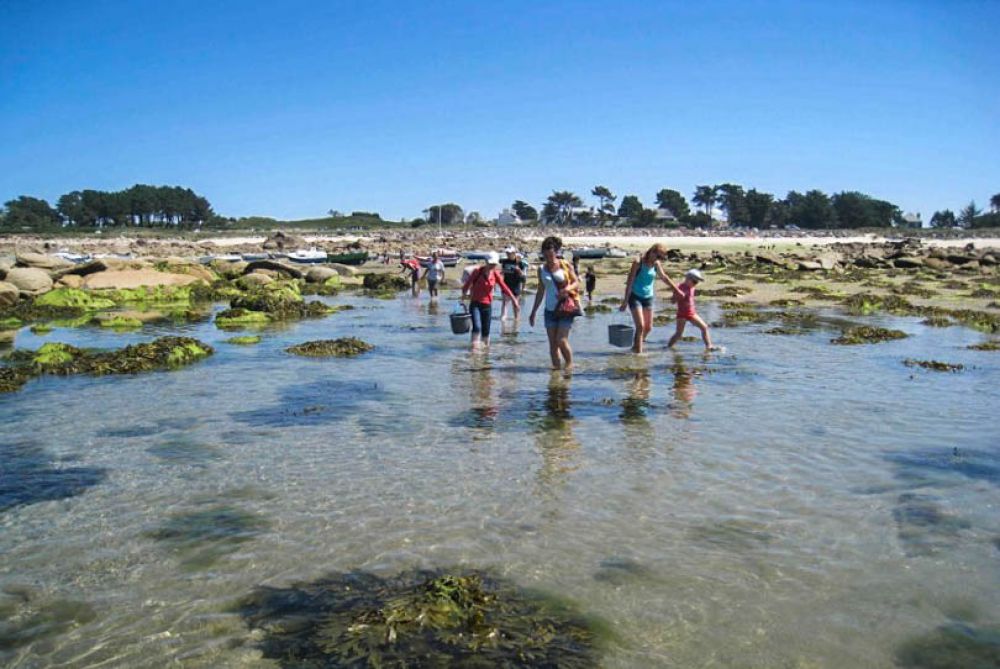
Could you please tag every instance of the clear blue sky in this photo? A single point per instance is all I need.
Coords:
(292, 108)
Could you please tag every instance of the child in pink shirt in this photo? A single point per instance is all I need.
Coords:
(684, 296)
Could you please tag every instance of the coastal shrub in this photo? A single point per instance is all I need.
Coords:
(344, 347)
(440, 618)
(867, 334)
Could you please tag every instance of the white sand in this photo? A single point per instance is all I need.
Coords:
(726, 243)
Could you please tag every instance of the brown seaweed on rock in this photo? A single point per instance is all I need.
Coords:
(867, 334)
(344, 347)
(442, 618)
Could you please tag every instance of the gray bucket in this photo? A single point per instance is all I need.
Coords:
(621, 335)
(461, 322)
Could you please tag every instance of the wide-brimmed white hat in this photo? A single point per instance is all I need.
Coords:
(492, 258)
(694, 274)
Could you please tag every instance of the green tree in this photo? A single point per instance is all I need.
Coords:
(630, 208)
(812, 210)
(668, 198)
(27, 211)
(968, 214)
(778, 214)
(857, 210)
(704, 196)
(995, 203)
(560, 206)
(732, 199)
(524, 211)
(943, 219)
(645, 219)
(607, 200)
(450, 214)
(757, 204)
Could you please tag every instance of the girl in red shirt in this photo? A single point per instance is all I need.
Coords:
(481, 282)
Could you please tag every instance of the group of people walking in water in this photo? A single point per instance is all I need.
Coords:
(559, 290)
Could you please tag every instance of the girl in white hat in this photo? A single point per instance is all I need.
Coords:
(684, 295)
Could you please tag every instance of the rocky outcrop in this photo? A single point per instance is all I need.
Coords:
(41, 261)
(254, 280)
(280, 241)
(136, 278)
(320, 274)
(284, 268)
(30, 280)
(9, 294)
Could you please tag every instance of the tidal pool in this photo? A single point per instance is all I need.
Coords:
(784, 503)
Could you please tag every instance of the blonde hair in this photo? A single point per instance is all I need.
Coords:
(658, 248)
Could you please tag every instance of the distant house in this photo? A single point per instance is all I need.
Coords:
(912, 220)
(508, 217)
(665, 215)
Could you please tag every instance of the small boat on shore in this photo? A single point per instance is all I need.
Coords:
(449, 258)
(593, 253)
(250, 257)
(312, 255)
(476, 255)
(225, 257)
(351, 258)
(74, 257)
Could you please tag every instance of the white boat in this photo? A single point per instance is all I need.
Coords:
(312, 255)
(74, 257)
(225, 257)
(615, 252)
(250, 257)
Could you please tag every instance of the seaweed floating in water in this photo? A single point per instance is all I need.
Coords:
(866, 334)
(599, 309)
(418, 618)
(952, 646)
(344, 347)
(201, 537)
(934, 365)
(992, 345)
(29, 621)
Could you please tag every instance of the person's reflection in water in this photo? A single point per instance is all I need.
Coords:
(684, 390)
(485, 406)
(432, 308)
(636, 405)
(554, 432)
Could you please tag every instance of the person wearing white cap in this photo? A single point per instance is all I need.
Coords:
(684, 295)
(479, 285)
(515, 273)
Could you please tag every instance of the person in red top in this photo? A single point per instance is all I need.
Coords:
(480, 284)
(412, 265)
(684, 296)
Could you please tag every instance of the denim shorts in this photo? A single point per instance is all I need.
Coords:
(634, 301)
(561, 322)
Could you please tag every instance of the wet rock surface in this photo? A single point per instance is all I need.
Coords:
(344, 347)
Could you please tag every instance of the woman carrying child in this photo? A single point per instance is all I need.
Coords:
(556, 282)
(639, 290)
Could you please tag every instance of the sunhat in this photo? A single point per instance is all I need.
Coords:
(510, 249)
(492, 258)
(694, 274)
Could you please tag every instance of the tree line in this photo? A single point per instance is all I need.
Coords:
(140, 205)
(970, 216)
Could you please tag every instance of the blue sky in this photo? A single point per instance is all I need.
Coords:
(290, 109)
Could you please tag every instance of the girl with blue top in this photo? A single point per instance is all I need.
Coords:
(639, 291)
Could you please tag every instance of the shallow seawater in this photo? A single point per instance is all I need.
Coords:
(784, 503)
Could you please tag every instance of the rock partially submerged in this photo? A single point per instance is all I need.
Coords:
(344, 347)
(63, 360)
(934, 365)
(867, 334)
(385, 282)
(421, 618)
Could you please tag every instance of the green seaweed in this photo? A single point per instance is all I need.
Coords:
(245, 340)
(384, 283)
(937, 322)
(73, 298)
(992, 345)
(344, 347)
(422, 618)
(118, 322)
(41, 328)
(240, 318)
(867, 334)
(598, 309)
(952, 646)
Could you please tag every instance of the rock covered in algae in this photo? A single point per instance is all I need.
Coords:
(993, 345)
(867, 334)
(384, 282)
(246, 340)
(342, 348)
(280, 301)
(63, 359)
(934, 365)
(240, 318)
(73, 298)
(420, 618)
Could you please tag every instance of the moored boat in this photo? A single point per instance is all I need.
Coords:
(311, 255)
(352, 258)
(593, 253)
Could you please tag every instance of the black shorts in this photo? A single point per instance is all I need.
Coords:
(634, 301)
